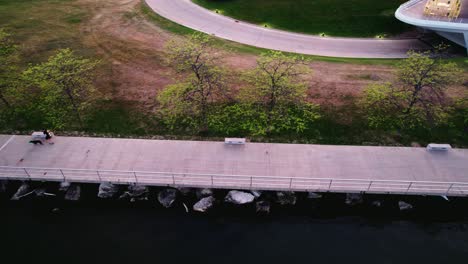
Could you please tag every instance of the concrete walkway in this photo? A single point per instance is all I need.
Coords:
(250, 166)
(186, 13)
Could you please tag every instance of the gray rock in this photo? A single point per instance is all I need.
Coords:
(23, 190)
(64, 186)
(73, 193)
(138, 190)
(354, 198)
(135, 192)
(3, 186)
(40, 192)
(238, 197)
(313, 195)
(286, 198)
(107, 190)
(404, 206)
(262, 207)
(200, 193)
(257, 194)
(166, 197)
(204, 204)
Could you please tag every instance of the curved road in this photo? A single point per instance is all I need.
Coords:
(186, 13)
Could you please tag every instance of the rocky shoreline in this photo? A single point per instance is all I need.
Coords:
(205, 201)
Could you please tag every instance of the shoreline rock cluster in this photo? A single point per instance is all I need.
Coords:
(199, 199)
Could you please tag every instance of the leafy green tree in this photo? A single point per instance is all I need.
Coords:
(276, 85)
(245, 119)
(239, 119)
(66, 87)
(204, 83)
(417, 98)
(459, 114)
(8, 70)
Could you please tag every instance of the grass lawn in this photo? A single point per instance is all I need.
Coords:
(349, 18)
(41, 27)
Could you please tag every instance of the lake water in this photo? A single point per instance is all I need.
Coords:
(313, 231)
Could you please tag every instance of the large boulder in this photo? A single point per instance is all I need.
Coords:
(238, 197)
(40, 192)
(135, 192)
(63, 187)
(262, 207)
(204, 204)
(257, 194)
(354, 198)
(313, 195)
(3, 186)
(404, 206)
(107, 190)
(73, 193)
(167, 197)
(23, 190)
(286, 198)
(201, 193)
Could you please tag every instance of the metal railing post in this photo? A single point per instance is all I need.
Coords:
(173, 179)
(370, 184)
(136, 178)
(63, 175)
(290, 183)
(212, 183)
(409, 187)
(27, 173)
(99, 176)
(329, 185)
(251, 182)
(449, 188)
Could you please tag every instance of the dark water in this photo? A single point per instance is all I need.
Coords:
(324, 231)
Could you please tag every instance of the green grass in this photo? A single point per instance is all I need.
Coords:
(40, 27)
(348, 18)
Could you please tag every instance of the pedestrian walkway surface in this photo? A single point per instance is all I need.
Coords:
(253, 165)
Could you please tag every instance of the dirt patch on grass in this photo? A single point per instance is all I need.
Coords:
(131, 48)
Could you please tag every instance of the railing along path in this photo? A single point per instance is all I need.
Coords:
(247, 182)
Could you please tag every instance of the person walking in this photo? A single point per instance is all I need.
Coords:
(47, 134)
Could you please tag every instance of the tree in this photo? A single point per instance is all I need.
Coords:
(204, 83)
(8, 74)
(66, 87)
(418, 97)
(276, 85)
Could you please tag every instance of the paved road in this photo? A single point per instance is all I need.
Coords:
(186, 13)
(249, 166)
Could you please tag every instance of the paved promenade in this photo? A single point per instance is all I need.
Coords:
(250, 166)
(186, 13)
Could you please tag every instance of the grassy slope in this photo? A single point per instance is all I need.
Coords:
(361, 18)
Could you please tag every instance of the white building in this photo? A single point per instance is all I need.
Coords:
(448, 18)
